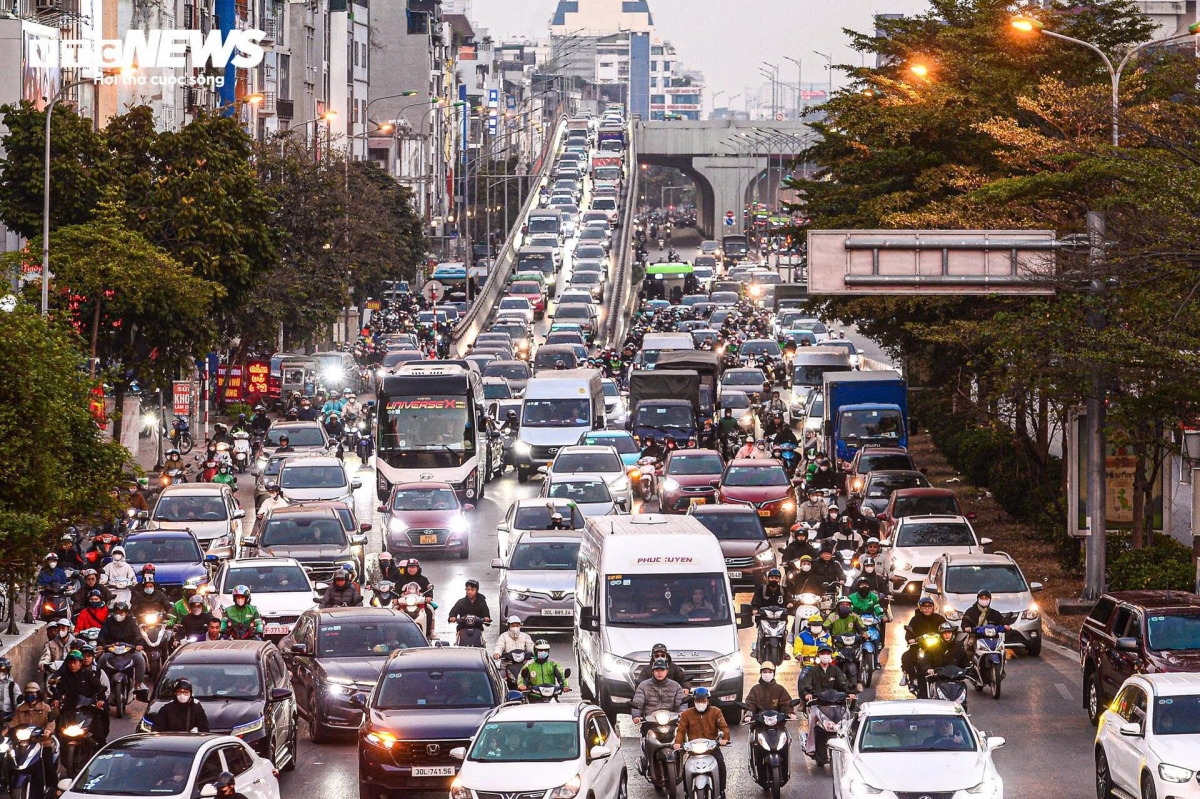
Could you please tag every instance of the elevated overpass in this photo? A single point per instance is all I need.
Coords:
(724, 157)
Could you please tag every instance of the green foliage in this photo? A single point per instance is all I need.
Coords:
(54, 464)
(1165, 565)
(234, 408)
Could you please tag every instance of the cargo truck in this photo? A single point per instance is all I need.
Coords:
(864, 408)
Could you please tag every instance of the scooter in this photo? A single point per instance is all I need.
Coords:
(772, 634)
(365, 445)
(54, 602)
(990, 655)
(120, 675)
(949, 683)
(647, 472)
(546, 693)
(241, 451)
(658, 763)
(23, 766)
(75, 736)
(847, 654)
(831, 710)
(512, 662)
(470, 631)
(769, 745)
(156, 643)
(121, 589)
(418, 606)
(701, 779)
(868, 658)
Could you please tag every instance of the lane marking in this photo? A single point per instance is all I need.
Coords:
(1064, 691)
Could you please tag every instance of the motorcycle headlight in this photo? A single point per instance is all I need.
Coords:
(150, 619)
(248, 727)
(24, 734)
(1032, 613)
(397, 525)
(671, 484)
(1174, 773)
(73, 731)
(662, 717)
(763, 742)
(567, 790)
(616, 666)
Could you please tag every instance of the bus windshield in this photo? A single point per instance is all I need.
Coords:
(442, 426)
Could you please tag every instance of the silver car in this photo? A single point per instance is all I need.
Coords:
(533, 514)
(955, 580)
(537, 580)
(589, 492)
(594, 459)
(209, 510)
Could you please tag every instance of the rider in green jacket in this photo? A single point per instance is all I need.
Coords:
(865, 602)
(179, 610)
(241, 613)
(844, 620)
(543, 670)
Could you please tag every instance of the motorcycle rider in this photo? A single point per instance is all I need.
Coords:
(191, 587)
(134, 498)
(75, 686)
(870, 548)
(843, 620)
(864, 601)
(51, 573)
(827, 569)
(9, 698)
(118, 571)
(768, 694)
(813, 510)
(798, 546)
(877, 580)
(659, 692)
(32, 710)
(923, 622)
(473, 604)
(783, 431)
(120, 628)
(68, 554)
(185, 714)
(805, 645)
(823, 476)
(195, 622)
(343, 593)
(225, 475)
(221, 435)
(260, 423)
(226, 786)
(412, 574)
(542, 670)
(274, 500)
(846, 537)
(982, 613)
(388, 569)
(285, 444)
(703, 720)
(513, 640)
(94, 613)
(950, 652)
(770, 594)
(747, 449)
(831, 525)
(56, 649)
(91, 582)
(652, 450)
(242, 425)
(242, 613)
(814, 681)
(150, 598)
(674, 671)
(307, 412)
(728, 430)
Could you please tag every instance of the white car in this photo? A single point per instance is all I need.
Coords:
(589, 492)
(521, 750)
(279, 588)
(517, 306)
(139, 766)
(316, 480)
(210, 510)
(955, 581)
(915, 748)
(1147, 739)
(598, 459)
(616, 408)
(917, 541)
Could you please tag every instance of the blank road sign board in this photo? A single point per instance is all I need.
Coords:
(931, 261)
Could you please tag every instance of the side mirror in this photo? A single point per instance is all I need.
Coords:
(382, 509)
(359, 700)
(280, 694)
(838, 745)
(997, 741)
(65, 784)
(365, 527)
(987, 542)
(497, 563)
(566, 673)
(1128, 644)
(250, 541)
(145, 514)
(358, 540)
(588, 620)
(240, 513)
(599, 753)
(1035, 587)
(208, 791)
(300, 649)
(744, 620)
(623, 503)
(355, 485)
(211, 558)
(440, 642)
(459, 753)
(931, 589)
(321, 586)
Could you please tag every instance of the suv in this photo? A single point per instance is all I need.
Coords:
(209, 510)
(879, 485)
(868, 459)
(1129, 632)
(279, 588)
(307, 437)
(537, 581)
(955, 580)
(317, 479)
(1146, 741)
(917, 542)
(427, 702)
(532, 514)
(316, 537)
(573, 750)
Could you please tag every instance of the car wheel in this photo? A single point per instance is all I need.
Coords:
(1103, 777)
(1034, 647)
(522, 474)
(1148, 791)
(1095, 705)
(317, 732)
(623, 786)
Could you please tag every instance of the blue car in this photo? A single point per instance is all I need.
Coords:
(620, 440)
(176, 555)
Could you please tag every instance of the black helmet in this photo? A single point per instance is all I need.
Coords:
(473, 583)
(654, 650)
(660, 663)
(120, 607)
(225, 780)
(945, 627)
(183, 684)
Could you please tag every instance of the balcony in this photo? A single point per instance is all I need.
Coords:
(269, 25)
(269, 104)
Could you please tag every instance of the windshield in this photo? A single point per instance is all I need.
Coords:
(709, 463)
(549, 359)
(932, 534)
(735, 400)
(755, 348)
(438, 423)
(515, 331)
(557, 412)
(881, 486)
(214, 680)
(543, 555)
(755, 476)
(510, 371)
(814, 375)
(191, 509)
(733, 526)
(916, 734)
(520, 303)
(581, 492)
(544, 224)
(306, 436)
(1177, 715)
(268, 579)
(312, 477)
(424, 499)
(999, 579)
(423, 688)
(403, 356)
(526, 742)
(290, 532)
(924, 506)
(583, 462)
(666, 600)
(586, 278)
(752, 378)
(496, 391)
(724, 297)
(1179, 631)
(162, 550)
(517, 303)
(871, 463)
(136, 771)
(604, 204)
(538, 517)
(678, 417)
(368, 638)
(870, 424)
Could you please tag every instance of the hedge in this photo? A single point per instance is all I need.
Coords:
(1167, 564)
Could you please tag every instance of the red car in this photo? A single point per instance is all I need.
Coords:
(531, 291)
(917, 502)
(690, 477)
(763, 485)
(424, 519)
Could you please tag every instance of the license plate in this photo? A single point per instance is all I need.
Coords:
(558, 612)
(735, 575)
(764, 513)
(433, 771)
(699, 501)
(276, 629)
(429, 539)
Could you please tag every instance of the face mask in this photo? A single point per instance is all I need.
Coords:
(148, 589)
(863, 590)
(815, 631)
(768, 676)
(118, 557)
(183, 697)
(61, 634)
(120, 616)
(543, 657)
(515, 632)
(825, 659)
(843, 612)
(701, 707)
(806, 567)
(983, 603)
(824, 468)
(31, 698)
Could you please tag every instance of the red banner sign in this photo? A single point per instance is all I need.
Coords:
(181, 397)
(258, 379)
(229, 383)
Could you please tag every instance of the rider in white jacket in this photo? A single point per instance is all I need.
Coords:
(118, 573)
(514, 639)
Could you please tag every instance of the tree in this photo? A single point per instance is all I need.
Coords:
(54, 464)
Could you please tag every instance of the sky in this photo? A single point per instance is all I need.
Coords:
(728, 39)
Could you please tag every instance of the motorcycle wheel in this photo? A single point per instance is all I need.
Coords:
(867, 670)
(23, 791)
(776, 778)
(668, 782)
(120, 703)
(821, 752)
(997, 677)
(185, 444)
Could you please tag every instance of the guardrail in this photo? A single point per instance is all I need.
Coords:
(477, 315)
(622, 290)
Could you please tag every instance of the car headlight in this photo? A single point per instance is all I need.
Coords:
(991, 787)
(223, 541)
(339, 686)
(860, 788)
(1174, 773)
(568, 790)
(728, 666)
(788, 505)
(397, 526)
(522, 449)
(857, 484)
(766, 556)
(615, 666)
(458, 525)
(248, 727)
(457, 790)
(901, 565)
(1032, 613)
(332, 374)
(620, 484)
(384, 740)
(671, 484)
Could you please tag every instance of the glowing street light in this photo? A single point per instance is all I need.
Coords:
(920, 70)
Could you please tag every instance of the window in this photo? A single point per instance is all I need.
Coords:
(526, 742)
(666, 66)
(237, 759)
(210, 769)
(658, 99)
(1131, 704)
(654, 66)
(1121, 622)
(597, 731)
(285, 76)
(654, 83)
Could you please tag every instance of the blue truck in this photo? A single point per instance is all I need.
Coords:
(864, 408)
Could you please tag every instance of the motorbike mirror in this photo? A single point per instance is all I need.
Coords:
(143, 514)
(838, 745)
(797, 702)
(250, 541)
(382, 509)
(299, 649)
(365, 527)
(208, 791)
(355, 485)
(240, 513)
(440, 642)
(358, 540)
(64, 785)
(497, 563)
(211, 558)
(566, 673)
(623, 503)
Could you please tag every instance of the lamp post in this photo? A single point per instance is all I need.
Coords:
(799, 82)
(829, 66)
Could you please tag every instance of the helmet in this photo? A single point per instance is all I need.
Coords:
(513, 620)
(74, 654)
(925, 601)
(872, 540)
(225, 780)
(196, 599)
(96, 593)
(945, 627)
(867, 561)
(192, 584)
(346, 392)
(659, 663)
(824, 648)
(659, 648)
(417, 563)
(766, 665)
(473, 583)
(66, 538)
(242, 590)
(541, 645)
(984, 593)
(815, 619)
(5, 664)
(702, 693)
(806, 557)
(385, 556)
(51, 556)
(183, 684)
(34, 688)
(88, 649)
(86, 573)
(774, 574)
(120, 607)
(799, 529)
(844, 600)
(148, 568)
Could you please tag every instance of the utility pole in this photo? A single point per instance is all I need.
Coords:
(1097, 446)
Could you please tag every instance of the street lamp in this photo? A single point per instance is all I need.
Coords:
(829, 66)
(799, 81)
(920, 70)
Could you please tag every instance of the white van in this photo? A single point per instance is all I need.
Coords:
(654, 343)
(647, 579)
(556, 409)
(809, 366)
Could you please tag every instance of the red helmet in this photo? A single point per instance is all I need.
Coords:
(148, 568)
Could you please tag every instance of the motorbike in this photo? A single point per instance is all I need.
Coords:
(470, 631)
(181, 436)
(989, 659)
(23, 761)
(172, 476)
(102, 548)
(847, 654)
(512, 662)
(121, 589)
(156, 642)
(787, 455)
(364, 447)
(76, 743)
(772, 634)
(769, 745)
(546, 693)
(658, 763)
(948, 683)
(831, 710)
(119, 668)
(647, 474)
(241, 632)
(701, 779)
(208, 471)
(418, 606)
(868, 659)
(241, 451)
(54, 601)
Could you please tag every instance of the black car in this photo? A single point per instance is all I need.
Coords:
(335, 653)
(426, 702)
(246, 692)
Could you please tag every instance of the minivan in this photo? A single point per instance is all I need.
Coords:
(648, 579)
(557, 408)
(545, 221)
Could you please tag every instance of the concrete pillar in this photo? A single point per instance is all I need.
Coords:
(729, 178)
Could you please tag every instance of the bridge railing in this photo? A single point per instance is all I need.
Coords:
(621, 295)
